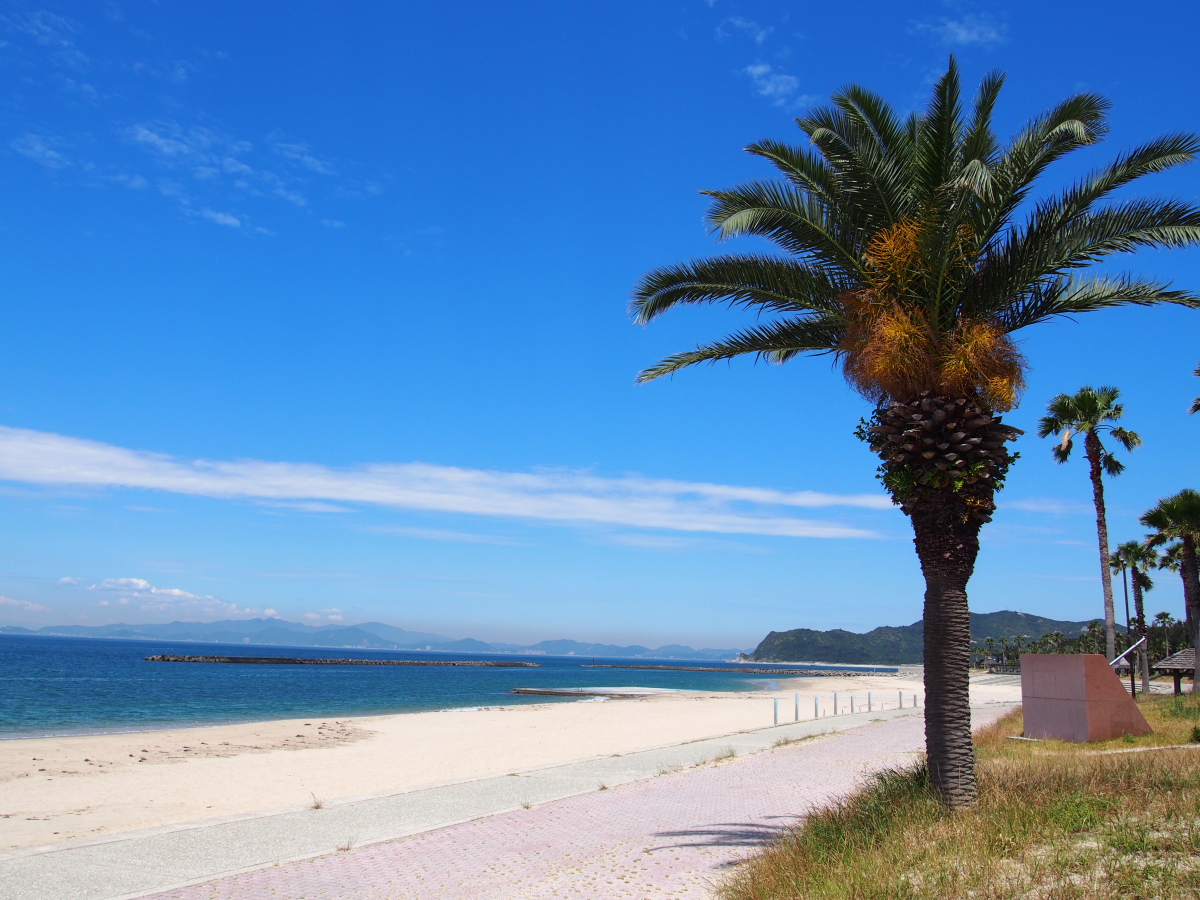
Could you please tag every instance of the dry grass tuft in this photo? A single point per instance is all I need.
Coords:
(1054, 822)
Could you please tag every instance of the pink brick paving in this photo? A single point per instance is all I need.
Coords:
(670, 836)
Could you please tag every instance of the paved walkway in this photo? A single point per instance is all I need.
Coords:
(666, 825)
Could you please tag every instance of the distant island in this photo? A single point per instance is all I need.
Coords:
(887, 645)
(897, 645)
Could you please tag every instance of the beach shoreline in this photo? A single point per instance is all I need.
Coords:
(66, 788)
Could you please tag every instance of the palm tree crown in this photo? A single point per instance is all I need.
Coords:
(1138, 559)
(903, 253)
(1195, 408)
(1089, 411)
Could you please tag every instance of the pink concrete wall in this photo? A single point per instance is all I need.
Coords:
(1076, 697)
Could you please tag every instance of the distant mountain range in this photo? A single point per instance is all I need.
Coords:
(367, 636)
(897, 645)
(885, 645)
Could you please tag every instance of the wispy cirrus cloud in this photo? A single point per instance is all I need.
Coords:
(211, 175)
(966, 31)
(746, 27)
(562, 497)
(441, 535)
(43, 150)
(24, 605)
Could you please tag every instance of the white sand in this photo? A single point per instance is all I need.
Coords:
(58, 789)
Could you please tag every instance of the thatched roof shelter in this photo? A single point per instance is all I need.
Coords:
(1178, 665)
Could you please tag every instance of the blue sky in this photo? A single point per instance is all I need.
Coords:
(322, 309)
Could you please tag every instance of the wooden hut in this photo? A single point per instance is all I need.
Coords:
(1182, 663)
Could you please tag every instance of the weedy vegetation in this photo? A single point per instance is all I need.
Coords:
(1053, 821)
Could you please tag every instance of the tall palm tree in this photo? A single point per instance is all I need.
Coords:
(902, 255)
(1090, 412)
(1138, 559)
(1177, 518)
(1195, 408)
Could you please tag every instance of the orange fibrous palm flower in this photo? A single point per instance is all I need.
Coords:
(891, 349)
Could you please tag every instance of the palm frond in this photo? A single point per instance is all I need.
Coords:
(1111, 465)
(796, 221)
(776, 342)
(1048, 246)
(1123, 436)
(1066, 297)
(807, 171)
(980, 142)
(762, 283)
(1074, 123)
(940, 135)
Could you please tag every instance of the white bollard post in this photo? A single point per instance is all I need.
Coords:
(797, 707)
(835, 703)
(900, 699)
(776, 710)
(851, 704)
(816, 707)
(870, 705)
(915, 704)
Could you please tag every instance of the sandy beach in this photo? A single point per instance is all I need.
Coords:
(66, 788)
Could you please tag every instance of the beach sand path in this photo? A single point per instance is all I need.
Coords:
(670, 836)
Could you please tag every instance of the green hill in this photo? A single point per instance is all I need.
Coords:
(896, 645)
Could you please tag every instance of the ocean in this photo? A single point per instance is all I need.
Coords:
(64, 685)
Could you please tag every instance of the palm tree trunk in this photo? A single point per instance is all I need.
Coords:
(1139, 615)
(1191, 595)
(947, 539)
(1092, 443)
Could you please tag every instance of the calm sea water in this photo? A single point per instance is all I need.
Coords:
(53, 685)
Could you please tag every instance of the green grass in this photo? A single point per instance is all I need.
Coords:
(1054, 821)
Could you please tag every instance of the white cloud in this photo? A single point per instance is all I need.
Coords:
(750, 29)
(40, 149)
(312, 617)
(564, 497)
(68, 580)
(967, 31)
(148, 597)
(23, 604)
(270, 613)
(776, 86)
(221, 218)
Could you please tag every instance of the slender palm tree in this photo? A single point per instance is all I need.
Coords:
(1172, 560)
(1138, 559)
(1177, 518)
(1195, 408)
(1165, 620)
(910, 251)
(1091, 412)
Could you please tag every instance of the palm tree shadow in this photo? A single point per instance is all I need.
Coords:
(725, 834)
